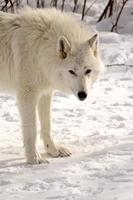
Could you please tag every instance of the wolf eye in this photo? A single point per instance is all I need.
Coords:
(88, 71)
(72, 72)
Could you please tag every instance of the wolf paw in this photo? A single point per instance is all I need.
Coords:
(58, 151)
(36, 159)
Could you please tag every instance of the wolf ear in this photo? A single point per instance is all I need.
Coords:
(93, 43)
(63, 47)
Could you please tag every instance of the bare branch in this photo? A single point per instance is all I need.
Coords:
(75, 5)
(83, 10)
(109, 8)
(118, 16)
(63, 4)
(90, 6)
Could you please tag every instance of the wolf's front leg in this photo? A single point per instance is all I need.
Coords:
(27, 105)
(45, 121)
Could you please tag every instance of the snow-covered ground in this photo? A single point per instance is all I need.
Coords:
(98, 131)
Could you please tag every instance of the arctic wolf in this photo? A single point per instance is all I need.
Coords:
(42, 51)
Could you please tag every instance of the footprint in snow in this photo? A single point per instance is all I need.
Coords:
(2, 183)
(118, 117)
(108, 89)
(131, 96)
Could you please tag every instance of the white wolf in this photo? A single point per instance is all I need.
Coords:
(42, 51)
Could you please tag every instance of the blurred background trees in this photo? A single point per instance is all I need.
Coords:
(83, 7)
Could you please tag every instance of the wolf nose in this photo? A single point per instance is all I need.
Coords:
(82, 95)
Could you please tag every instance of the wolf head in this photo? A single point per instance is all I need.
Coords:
(80, 66)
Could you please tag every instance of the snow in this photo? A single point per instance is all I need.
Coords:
(116, 48)
(98, 131)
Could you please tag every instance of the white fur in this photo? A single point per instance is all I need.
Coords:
(32, 67)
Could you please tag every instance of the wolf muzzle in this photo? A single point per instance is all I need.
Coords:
(82, 95)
